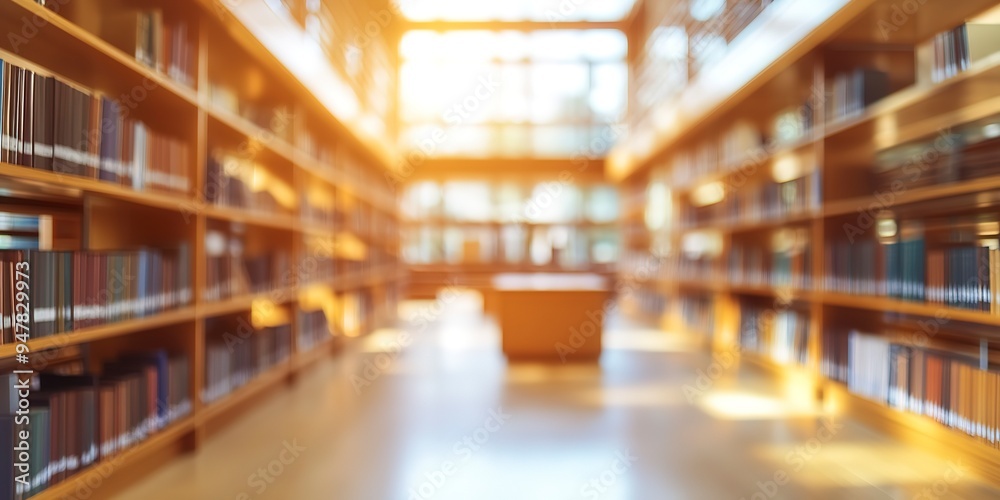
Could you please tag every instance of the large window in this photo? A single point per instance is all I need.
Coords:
(547, 93)
(515, 10)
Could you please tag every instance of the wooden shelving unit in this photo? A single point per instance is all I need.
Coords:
(356, 173)
(689, 239)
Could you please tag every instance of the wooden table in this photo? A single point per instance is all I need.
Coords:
(554, 317)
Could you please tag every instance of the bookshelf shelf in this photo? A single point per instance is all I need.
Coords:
(102, 332)
(76, 186)
(930, 102)
(915, 308)
(756, 161)
(91, 49)
(314, 150)
(749, 227)
(918, 430)
(915, 195)
(156, 444)
(251, 132)
(252, 217)
(207, 309)
(868, 110)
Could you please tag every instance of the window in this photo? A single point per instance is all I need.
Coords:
(477, 93)
(515, 10)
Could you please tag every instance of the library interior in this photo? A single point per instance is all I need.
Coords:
(483, 249)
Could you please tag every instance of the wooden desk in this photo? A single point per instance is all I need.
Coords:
(556, 317)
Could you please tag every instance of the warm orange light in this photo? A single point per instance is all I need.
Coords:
(264, 313)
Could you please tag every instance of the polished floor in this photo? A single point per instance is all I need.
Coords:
(448, 419)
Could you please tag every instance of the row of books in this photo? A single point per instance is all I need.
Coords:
(834, 363)
(781, 335)
(966, 152)
(741, 146)
(955, 50)
(279, 121)
(237, 353)
(749, 266)
(57, 292)
(315, 149)
(963, 276)
(853, 91)
(760, 203)
(853, 268)
(948, 387)
(230, 272)
(317, 213)
(698, 313)
(691, 268)
(232, 181)
(159, 43)
(649, 303)
(276, 120)
(313, 330)
(236, 275)
(133, 155)
(48, 124)
(77, 418)
(376, 261)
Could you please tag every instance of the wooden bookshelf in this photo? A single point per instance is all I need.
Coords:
(342, 165)
(693, 260)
